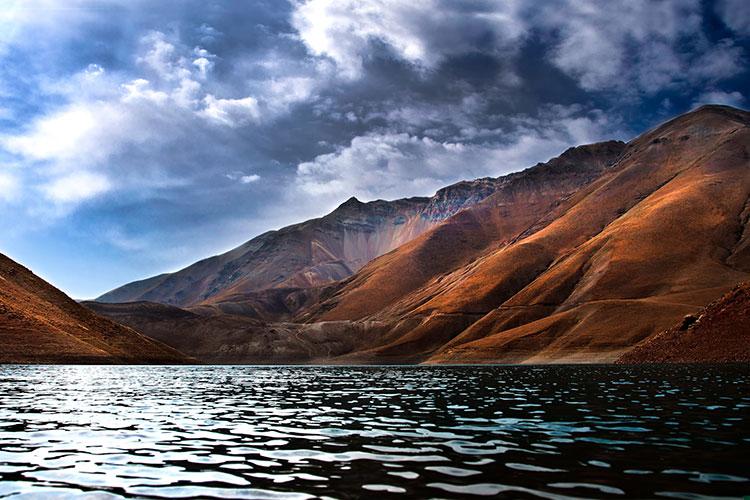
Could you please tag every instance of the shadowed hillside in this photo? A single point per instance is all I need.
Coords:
(719, 332)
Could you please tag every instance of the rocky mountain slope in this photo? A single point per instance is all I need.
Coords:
(264, 276)
(575, 260)
(719, 332)
(657, 235)
(219, 330)
(40, 324)
(653, 238)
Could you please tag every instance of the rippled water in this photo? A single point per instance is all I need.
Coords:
(346, 432)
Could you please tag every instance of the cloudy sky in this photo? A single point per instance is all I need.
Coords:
(138, 136)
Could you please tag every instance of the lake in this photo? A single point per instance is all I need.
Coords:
(353, 432)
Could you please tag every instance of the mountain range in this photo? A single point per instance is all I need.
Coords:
(575, 260)
(597, 255)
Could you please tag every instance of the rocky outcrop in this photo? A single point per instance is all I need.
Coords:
(720, 332)
(40, 324)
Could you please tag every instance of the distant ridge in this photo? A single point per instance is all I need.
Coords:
(309, 254)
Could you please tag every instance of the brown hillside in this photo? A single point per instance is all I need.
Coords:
(220, 337)
(655, 236)
(521, 203)
(40, 324)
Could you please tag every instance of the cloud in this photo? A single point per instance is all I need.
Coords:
(735, 14)
(161, 57)
(634, 45)
(204, 65)
(422, 33)
(76, 187)
(146, 132)
(117, 237)
(231, 112)
(387, 165)
(248, 179)
(281, 93)
(57, 136)
(628, 46)
(140, 89)
(10, 187)
(243, 178)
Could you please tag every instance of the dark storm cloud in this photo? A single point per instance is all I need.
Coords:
(162, 131)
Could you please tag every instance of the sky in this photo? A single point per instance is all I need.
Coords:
(139, 136)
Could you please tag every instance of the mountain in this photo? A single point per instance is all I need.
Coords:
(523, 203)
(718, 333)
(264, 276)
(576, 260)
(654, 237)
(225, 334)
(40, 324)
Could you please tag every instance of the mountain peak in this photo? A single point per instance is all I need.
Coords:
(351, 202)
(707, 119)
(708, 111)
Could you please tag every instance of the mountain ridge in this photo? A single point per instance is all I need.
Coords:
(311, 253)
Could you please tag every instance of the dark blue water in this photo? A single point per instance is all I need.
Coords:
(343, 432)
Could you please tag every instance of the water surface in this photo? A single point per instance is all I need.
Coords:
(352, 432)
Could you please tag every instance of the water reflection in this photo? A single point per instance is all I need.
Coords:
(345, 432)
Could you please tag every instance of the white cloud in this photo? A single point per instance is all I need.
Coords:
(140, 88)
(58, 136)
(119, 239)
(10, 187)
(72, 151)
(18, 18)
(76, 187)
(247, 179)
(161, 57)
(634, 45)
(623, 45)
(242, 177)
(423, 33)
(387, 165)
(203, 65)
(231, 112)
(204, 61)
(280, 93)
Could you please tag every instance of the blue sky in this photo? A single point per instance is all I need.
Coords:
(139, 136)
